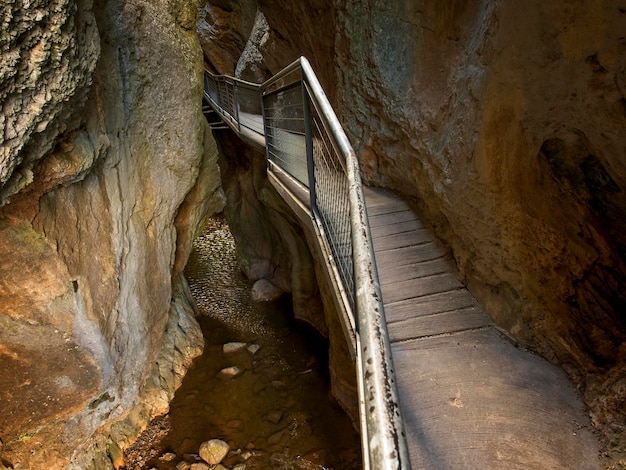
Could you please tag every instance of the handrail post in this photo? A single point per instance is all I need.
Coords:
(308, 136)
(268, 139)
(236, 105)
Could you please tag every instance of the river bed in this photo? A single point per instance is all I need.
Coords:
(261, 384)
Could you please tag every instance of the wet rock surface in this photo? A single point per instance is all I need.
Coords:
(276, 411)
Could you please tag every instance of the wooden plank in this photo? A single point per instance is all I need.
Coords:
(407, 226)
(391, 218)
(378, 209)
(441, 323)
(377, 196)
(429, 304)
(413, 288)
(407, 255)
(415, 270)
(401, 240)
(472, 400)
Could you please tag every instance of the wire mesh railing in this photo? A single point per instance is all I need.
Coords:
(284, 122)
(332, 201)
(303, 137)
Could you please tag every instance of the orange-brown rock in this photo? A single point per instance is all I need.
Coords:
(103, 183)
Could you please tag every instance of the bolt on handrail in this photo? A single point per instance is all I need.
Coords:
(302, 135)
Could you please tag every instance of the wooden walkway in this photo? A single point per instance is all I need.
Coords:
(469, 398)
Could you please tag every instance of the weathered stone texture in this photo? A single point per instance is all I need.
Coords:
(49, 51)
(504, 123)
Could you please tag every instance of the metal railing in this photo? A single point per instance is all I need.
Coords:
(303, 137)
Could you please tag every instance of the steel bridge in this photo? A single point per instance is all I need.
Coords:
(440, 386)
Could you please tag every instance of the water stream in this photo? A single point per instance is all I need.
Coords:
(268, 397)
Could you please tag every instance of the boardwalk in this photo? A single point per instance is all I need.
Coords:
(469, 398)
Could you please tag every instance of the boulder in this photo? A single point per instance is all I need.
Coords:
(264, 291)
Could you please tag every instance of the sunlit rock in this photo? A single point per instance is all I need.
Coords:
(213, 451)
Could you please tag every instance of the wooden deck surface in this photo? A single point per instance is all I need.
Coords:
(469, 398)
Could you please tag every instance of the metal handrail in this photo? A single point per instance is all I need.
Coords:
(383, 439)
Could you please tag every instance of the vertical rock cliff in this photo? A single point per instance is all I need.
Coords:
(505, 125)
(106, 172)
(241, 38)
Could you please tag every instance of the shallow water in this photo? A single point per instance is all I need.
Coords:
(277, 412)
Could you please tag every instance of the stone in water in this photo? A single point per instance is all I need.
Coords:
(264, 291)
(213, 451)
(253, 349)
(229, 372)
(229, 348)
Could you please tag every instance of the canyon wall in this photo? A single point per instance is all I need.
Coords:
(504, 125)
(106, 172)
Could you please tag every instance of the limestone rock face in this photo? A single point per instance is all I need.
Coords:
(269, 240)
(270, 243)
(224, 27)
(109, 172)
(505, 125)
(49, 52)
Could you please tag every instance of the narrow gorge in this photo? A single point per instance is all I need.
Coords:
(503, 125)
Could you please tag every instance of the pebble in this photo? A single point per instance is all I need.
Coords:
(199, 466)
(275, 438)
(229, 372)
(240, 466)
(183, 465)
(235, 424)
(213, 451)
(230, 348)
(253, 349)
(278, 384)
(264, 291)
(274, 416)
(168, 457)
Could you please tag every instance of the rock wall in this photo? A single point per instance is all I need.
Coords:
(505, 125)
(106, 173)
(272, 245)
